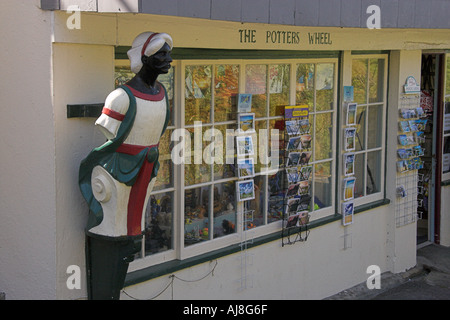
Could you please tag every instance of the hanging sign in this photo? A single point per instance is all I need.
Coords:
(411, 85)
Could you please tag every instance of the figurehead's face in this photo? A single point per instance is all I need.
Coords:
(159, 62)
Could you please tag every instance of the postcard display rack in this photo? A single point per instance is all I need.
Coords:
(297, 185)
(245, 186)
(411, 138)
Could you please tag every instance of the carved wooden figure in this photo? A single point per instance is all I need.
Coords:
(116, 178)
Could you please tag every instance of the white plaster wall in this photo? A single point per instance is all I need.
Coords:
(27, 171)
(82, 74)
(314, 269)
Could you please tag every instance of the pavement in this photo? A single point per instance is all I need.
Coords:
(428, 280)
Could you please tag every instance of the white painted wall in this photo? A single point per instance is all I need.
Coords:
(314, 269)
(82, 74)
(445, 216)
(27, 143)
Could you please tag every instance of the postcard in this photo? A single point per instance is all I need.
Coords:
(348, 93)
(349, 164)
(304, 125)
(294, 143)
(347, 213)
(306, 141)
(305, 200)
(292, 127)
(293, 159)
(246, 168)
(351, 114)
(413, 125)
(244, 146)
(304, 158)
(349, 137)
(292, 221)
(404, 126)
(349, 188)
(293, 175)
(246, 122)
(403, 140)
(292, 205)
(303, 218)
(402, 166)
(305, 172)
(402, 154)
(292, 190)
(304, 187)
(245, 190)
(244, 102)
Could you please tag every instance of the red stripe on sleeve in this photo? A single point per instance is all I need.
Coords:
(113, 114)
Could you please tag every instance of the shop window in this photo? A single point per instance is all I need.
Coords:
(194, 208)
(369, 80)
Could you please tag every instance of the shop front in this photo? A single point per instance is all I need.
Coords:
(286, 169)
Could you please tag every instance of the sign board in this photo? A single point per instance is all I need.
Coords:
(411, 85)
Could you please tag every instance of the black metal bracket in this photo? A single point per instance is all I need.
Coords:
(84, 110)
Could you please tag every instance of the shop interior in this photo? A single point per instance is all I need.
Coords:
(426, 176)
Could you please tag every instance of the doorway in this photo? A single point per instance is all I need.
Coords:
(431, 86)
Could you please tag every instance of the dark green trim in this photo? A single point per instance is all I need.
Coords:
(362, 52)
(176, 265)
(372, 205)
(216, 54)
(445, 183)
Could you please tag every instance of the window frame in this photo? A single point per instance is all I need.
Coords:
(380, 195)
(179, 250)
(446, 96)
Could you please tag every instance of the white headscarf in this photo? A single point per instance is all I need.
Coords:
(147, 43)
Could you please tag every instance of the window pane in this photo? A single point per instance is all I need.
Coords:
(324, 86)
(375, 127)
(360, 138)
(198, 94)
(323, 136)
(256, 84)
(278, 88)
(224, 208)
(305, 85)
(165, 174)
(376, 80)
(256, 217)
(227, 169)
(373, 172)
(359, 175)
(446, 160)
(276, 196)
(158, 223)
(196, 212)
(322, 185)
(197, 172)
(359, 80)
(226, 87)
